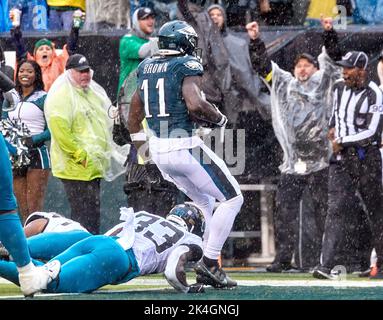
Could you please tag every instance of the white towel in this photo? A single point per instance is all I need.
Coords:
(127, 234)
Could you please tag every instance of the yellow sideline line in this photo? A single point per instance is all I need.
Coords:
(239, 268)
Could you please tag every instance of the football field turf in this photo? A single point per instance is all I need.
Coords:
(251, 286)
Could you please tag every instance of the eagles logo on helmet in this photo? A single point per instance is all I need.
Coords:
(177, 37)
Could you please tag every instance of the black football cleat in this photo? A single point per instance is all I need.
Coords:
(213, 276)
(324, 273)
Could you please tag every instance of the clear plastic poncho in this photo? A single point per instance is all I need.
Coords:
(81, 124)
(300, 113)
(245, 82)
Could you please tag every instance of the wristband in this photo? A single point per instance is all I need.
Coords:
(139, 136)
(222, 121)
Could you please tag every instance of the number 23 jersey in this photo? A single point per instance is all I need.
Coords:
(155, 239)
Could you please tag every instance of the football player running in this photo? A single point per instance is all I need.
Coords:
(169, 97)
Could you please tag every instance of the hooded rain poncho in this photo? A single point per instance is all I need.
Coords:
(81, 128)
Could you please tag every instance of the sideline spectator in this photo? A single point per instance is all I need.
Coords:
(44, 53)
(7, 70)
(245, 91)
(228, 80)
(174, 147)
(300, 108)
(82, 150)
(137, 45)
(32, 15)
(368, 11)
(107, 15)
(281, 13)
(30, 180)
(12, 235)
(356, 164)
(214, 56)
(134, 47)
(136, 4)
(61, 13)
(318, 8)
(240, 12)
(126, 252)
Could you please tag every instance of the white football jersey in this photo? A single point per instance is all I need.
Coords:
(31, 112)
(56, 222)
(155, 238)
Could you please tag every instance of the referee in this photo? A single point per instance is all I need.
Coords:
(356, 164)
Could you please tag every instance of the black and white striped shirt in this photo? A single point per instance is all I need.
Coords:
(357, 114)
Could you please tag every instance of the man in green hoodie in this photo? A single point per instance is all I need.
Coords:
(137, 45)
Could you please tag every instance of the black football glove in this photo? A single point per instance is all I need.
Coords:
(153, 173)
(196, 288)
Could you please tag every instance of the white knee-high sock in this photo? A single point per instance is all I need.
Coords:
(220, 226)
(207, 208)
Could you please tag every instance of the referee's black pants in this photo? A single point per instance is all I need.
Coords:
(287, 219)
(348, 175)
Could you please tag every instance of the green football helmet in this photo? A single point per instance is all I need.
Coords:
(177, 37)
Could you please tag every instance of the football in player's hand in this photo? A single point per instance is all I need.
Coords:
(200, 121)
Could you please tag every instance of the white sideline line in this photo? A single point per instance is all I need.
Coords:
(274, 283)
(251, 283)
(312, 283)
(277, 283)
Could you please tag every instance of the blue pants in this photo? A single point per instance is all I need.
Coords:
(45, 246)
(86, 266)
(92, 263)
(60, 20)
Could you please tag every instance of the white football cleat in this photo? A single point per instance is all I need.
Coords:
(35, 279)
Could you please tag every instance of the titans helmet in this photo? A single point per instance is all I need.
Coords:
(188, 216)
(177, 37)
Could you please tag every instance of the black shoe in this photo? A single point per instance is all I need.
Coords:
(321, 272)
(213, 276)
(365, 273)
(293, 269)
(277, 267)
